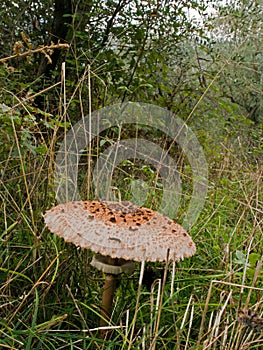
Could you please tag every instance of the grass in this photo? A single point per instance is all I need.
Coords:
(50, 295)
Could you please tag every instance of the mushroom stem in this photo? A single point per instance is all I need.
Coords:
(109, 289)
(111, 268)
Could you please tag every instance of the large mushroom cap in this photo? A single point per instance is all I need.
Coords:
(120, 230)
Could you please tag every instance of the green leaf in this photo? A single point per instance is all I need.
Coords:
(240, 258)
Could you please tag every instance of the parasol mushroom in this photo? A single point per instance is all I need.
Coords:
(121, 233)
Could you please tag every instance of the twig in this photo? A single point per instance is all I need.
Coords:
(153, 345)
(31, 52)
(137, 304)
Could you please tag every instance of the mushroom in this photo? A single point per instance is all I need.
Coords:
(120, 233)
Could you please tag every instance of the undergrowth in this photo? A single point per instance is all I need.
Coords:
(51, 296)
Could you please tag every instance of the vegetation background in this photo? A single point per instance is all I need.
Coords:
(203, 61)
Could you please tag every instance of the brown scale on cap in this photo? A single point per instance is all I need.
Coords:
(120, 230)
(121, 213)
